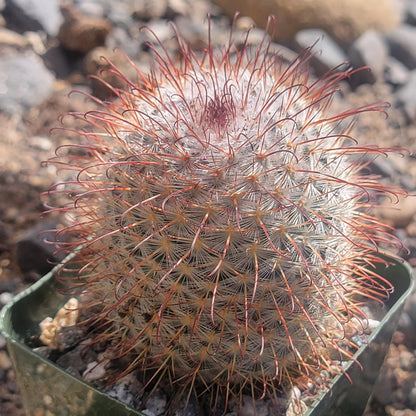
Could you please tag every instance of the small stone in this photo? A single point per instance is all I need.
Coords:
(156, 403)
(244, 23)
(126, 389)
(97, 64)
(80, 33)
(396, 72)
(33, 15)
(402, 42)
(91, 9)
(5, 298)
(407, 360)
(24, 82)
(412, 397)
(35, 249)
(345, 20)
(411, 12)
(327, 54)
(41, 143)
(2, 341)
(397, 214)
(368, 50)
(5, 362)
(149, 9)
(406, 97)
(76, 360)
(69, 336)
(95, 370)
(177, 7)
(296, 408)
(189, 406)
(11, 38)
(43, 351)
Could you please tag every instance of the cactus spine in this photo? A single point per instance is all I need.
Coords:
(223, 220)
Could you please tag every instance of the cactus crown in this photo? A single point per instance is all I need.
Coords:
(223, 221)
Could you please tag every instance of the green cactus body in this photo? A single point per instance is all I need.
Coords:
(223, 219)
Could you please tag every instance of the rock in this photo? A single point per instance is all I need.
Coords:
(156, 403)
(410, 13)
(127, 390)
(5, 362)
(95, 370)
(13, 39)
(402, 42)
(344, 20)
(327, 53)
(61, 62)
(177, 7)
(149, 9)
(69, 336)
(77, 358)
(397, 214)
(4, 236)
(406, 97)
(35, 249)
(407, 360)
(395, 72)
(96, 64)
(2, 342)
(80, 33)
(24, 82)
(368, 50)
(92, 9)
(33, 15)
(5, 298)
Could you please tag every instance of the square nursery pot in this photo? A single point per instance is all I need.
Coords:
(46, 389)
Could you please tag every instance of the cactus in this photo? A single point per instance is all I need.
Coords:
(220, 211)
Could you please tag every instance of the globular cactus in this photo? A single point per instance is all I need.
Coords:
(222, 218)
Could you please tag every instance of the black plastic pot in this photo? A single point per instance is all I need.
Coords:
(47, 387)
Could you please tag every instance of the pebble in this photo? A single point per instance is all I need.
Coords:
(35, 251)
(344, 20)
(80, 33)
(21, 89)
(250, 408)
(2, 341)
(396, 73)
(402, 43)
(94, 371)
(5, 298)
(411, 13)
(77, 359)
(5, 362)
(327, 54)
(12, 39)
(126, 390)
(149, 9)
(397, 214)
(155, 404)
(406, 97)
(91, 9)
(41, 143)
(33, 15)
(69, 336)
(369, 50)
